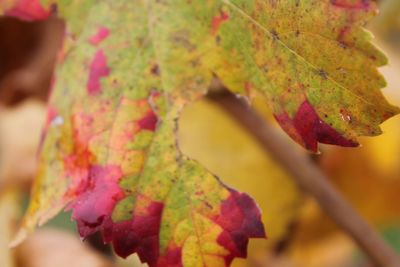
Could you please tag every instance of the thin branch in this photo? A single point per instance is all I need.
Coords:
(310, 178)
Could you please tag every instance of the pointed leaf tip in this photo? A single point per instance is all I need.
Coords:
(307, 128)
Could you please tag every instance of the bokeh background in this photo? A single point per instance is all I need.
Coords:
(300, 234)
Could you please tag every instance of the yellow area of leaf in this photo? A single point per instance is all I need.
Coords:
(209, 135)
(8, 216)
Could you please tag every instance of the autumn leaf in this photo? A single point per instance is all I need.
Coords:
(314, 63)
(123, 174)
(50, 247)
(126, 71)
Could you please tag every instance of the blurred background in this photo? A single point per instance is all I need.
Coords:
(300, 234)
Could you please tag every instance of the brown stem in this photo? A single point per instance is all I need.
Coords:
(310, 178)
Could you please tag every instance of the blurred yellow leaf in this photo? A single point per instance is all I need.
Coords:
(132, 261)
(20, 129)
(8, 216)
(209, 135)
(388, 21)
(383, 151)
(51, 247)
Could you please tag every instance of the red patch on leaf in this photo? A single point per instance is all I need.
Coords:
(96, 201)
(172, 258)
(139, 235)
(98, 69)
(28, 10)
(217, 21)
(149, 122)
(241, 219)
(308, 129)
(351, 4)
(76, 167)
(101, 34)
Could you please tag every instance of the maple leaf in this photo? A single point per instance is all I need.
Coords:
(128, 68)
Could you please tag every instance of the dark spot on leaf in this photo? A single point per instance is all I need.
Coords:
(274, 34)
(323, 74)
(155, 70)
(54, 9)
